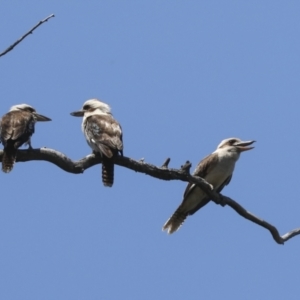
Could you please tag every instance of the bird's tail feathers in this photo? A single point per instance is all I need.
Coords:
(176, 221)
(8, 159)
(107, 171)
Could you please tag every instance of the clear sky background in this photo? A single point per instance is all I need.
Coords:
(180, 76)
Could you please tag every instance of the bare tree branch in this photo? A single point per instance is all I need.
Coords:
(163, 172)
(25, 35)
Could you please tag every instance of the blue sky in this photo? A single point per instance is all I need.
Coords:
(180, 76)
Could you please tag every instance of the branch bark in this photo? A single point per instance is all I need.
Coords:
(76, 167)
(25, 35)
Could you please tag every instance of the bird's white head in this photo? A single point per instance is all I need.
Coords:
(235, 145)
(25, 107)
(92, 107)
(29, 109)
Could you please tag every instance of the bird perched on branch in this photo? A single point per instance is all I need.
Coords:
(216, 169)
(16, 129)
(103, 134)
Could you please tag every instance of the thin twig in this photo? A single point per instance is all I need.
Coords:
(76, 167)
(166, 163)
(25, 35)
(186, 167)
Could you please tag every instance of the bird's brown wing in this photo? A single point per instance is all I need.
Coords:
(15, 125)
(106, 133)
(204, 167)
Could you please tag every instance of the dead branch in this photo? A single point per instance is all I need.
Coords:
(25, 35)
(164, 173)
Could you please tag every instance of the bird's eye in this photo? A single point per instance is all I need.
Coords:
(86, 107)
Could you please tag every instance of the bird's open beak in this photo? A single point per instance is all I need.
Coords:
(242, 146)
(41, 118)
(78, 113)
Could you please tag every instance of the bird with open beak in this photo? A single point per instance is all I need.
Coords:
(16, 129)
(103, 134)
(216, 169)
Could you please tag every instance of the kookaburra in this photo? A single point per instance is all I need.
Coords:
(216, 169)
(16, 129)
(103, 134)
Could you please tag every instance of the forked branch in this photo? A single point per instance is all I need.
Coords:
(163, 172)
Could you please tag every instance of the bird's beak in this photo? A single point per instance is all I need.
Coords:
(78, 113)
(41, 118)
(242, 146)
